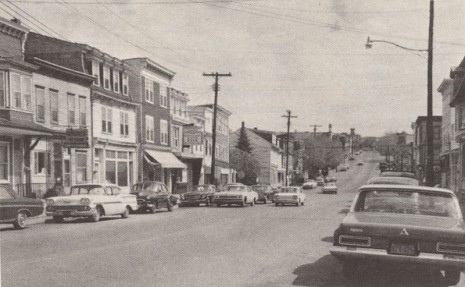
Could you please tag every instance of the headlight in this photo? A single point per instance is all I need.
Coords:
(85, 201)
(49, 201)
(204, 196)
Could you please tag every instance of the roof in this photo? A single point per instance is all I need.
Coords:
(220, 108)
(423, 118)
(152, 64)
(63, 69)
(406, 188)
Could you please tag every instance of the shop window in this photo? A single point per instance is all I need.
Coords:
(110, 171)
(4, 162)
(122, 173)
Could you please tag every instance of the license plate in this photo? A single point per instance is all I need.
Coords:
(403, 248)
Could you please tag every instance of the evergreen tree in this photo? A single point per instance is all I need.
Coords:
(243, 141)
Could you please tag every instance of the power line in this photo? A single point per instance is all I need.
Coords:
(19, 15)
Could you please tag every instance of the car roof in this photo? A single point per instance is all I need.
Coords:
(149, 181)
(406, 188)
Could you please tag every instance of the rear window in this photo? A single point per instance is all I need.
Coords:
(407, 202)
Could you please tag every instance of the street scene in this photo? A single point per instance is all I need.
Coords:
(232, 143)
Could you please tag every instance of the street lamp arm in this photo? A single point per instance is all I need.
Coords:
(369, 41)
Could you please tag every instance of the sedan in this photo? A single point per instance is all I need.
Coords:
(235, 193)
(393, 180)
(289, 195)
(401, 225)
(311, 184)
(329, 187)
(15, 210)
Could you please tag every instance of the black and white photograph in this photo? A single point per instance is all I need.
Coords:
(260, 143)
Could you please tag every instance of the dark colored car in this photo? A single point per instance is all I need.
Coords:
(200, 194)
(265, 192)
(15, 209)
(320, 181)
(153, 195)
(411, 227)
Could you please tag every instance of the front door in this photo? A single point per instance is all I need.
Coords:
(67, 176)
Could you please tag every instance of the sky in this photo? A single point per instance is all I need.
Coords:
(306, 56)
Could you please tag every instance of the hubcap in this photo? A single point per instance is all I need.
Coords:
(22, 219)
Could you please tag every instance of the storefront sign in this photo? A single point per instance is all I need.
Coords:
(76, 138)
(192, 136)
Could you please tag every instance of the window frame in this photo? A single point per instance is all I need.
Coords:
(163, 132)
(14, 91)
(148, 91)
(163, 96)
(96, 73)
(40, 114)
(125, 84)
(116, 83)
(52, 108)
(84, 167)
(68, 97)
(8, 162)
(149, 133)
(3, 95)
(82, 116)
(124, 123)
(106, 78)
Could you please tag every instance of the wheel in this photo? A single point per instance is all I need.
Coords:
(253, 202)
(265, 201)
(170, 206)
(58, 219)
(302, 203)
(20, 220)
(276, 204)
(208, 203)
(452, 277)
(244, 202)
(125, 214)
(96, 216)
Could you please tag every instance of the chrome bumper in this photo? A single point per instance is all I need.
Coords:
(228, 200)
(438, 260)
(71, 213)
(286, 201)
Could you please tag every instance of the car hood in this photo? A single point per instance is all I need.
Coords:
(73, 199)
(232, 193)
(391, 225)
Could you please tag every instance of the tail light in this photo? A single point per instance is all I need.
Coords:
(450, 248)
(351, 240)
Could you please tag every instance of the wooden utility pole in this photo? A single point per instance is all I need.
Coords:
(215, 108)
(288, 116)
(429, 172)
(314, 129)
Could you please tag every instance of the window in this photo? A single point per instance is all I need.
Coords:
(96, 72)
(107, 117)
(26, 89)
(2, 90)
(116, 84)
(81, 167)
(4, 162)
(82, 111)
(104, 120)
(106, 77)
(163, 97)
(41, 163)
(118, 167)
(124, 123)
(149, 91)
(175, 141)
(125, 84)
(163, 132)
(16, 89)
(149, 128)
(71, 109)
(53, 106)
(461, 115)
(40, 98)
(109, 120)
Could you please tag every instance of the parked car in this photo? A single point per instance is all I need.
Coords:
(310, 184)
(407, 226)
(235, 193)
(331, 178)
(398, 174)
(320, 181)
(342, 167)
(351, 157)
(153, 195)
(265, 192)
(360, 163)
(289, 195)
(92, 201)
(200, 194)
(329, 187)
(15, 210)
(393, 180)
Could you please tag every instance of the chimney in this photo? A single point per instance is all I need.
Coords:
(255, 128)
(16, 20)
(243, 124)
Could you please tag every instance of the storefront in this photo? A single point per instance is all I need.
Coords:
(166, 167)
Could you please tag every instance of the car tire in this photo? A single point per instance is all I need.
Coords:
(298, 203)
(20, 220)
(152, 209)
(58, 219)
(125, 214)
(170, 206)
(208, 203)
(252, 203)
(302, 203)
(265, 201)
(452, 277)
(96, 216)
(244, 202)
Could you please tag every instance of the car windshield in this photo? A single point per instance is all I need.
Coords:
(259, 188)
(235, 188)
(4, 194)
(408, 202)
(289, 190)
(88, 189)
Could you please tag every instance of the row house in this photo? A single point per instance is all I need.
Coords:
(203, 114)
(150, 83)
(266, 149)
(113, 145)
(450, 149)
(419, 127)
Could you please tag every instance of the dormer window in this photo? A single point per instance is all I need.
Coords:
(106, 78)
(125, 84)
(116, 84)
(96, 72)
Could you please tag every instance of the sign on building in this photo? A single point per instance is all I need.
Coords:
(76, 138)
(192, 135)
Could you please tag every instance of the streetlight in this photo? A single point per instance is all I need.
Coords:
(429, 171)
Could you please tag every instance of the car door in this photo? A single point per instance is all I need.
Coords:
(8, 205)
(108, 201)
(120, 202)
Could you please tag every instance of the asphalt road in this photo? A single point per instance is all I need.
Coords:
(262, 245)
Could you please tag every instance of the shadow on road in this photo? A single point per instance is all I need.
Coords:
(328, 239)
(327, 271)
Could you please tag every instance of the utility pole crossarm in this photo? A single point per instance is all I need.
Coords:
(215, 105)
(288, 116)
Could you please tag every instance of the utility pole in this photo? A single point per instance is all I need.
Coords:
(288, 116)
(314, 129)
(429, 117)
(215, 108)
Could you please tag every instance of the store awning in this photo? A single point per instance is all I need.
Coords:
(20, 127)
(166, 159)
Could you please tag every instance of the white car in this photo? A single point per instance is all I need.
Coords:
(289, 195)
(311, 184)
(236, 193)
(92, 201)
(329, 187)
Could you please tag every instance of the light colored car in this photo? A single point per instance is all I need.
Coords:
(406, 226)
(393, 180)
(235, 193)
(92, 201)
(311, 184)
(289, 195)
(329, 187)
